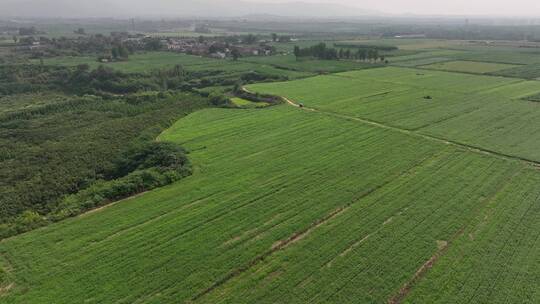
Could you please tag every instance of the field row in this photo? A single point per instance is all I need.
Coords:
(469, 66)
(431, 54)
(255, 169)
(483, 111)
(366, 252)
(145, 62)
(503, 61)
(285, 206)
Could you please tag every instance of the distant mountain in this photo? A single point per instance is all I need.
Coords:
(171, 8)
(57, 8)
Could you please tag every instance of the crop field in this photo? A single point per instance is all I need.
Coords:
(10, 104)
(465, 57)
(535, 98)
(482, 111)
(531, 71)
(425, 55)
(422, 61)
(289, 62)
(136, 63)
(279, 65)
(412, 44)
(495, 259)
(274, 214)
(145, 62)
(288, 47)
(187, 33)
(413, 182)
(505, 55)
(243, 103)
(6, 41)
(469, 66)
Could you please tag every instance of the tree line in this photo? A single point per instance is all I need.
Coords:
(93, 149)
(323, 52)
(88, 137)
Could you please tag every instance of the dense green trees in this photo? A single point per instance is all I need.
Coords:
(79, 80)
(73, 138)
(67, 146)
(323, 52)
(384, 48)
(235, 53)
(153, 44)
(249, 39)
(107, 82)
(120, 52)
(277, 38)
(142, 168)
(319, 51)
(28, 31)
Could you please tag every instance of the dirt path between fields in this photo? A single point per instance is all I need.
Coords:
(7, 268)
(108, 205)
(467, 147)
(301, 234)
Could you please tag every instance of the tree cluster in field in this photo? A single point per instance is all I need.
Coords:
(95, 149)
(231, 39)
(533, 98)
(202, 29)
(28, 31)
(282, 38)
(141, 168)
(383, 48)
(105, 81)
(255, 97)
(79, 80)
(109, 83)
(69, 143)
(117, 53)
(118, 46)
(323, 52)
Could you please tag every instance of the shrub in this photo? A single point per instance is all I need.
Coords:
(143, 168)
(218, 99)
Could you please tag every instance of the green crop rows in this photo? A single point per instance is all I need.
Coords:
(145, 62)
(469, 66)
(482, 111)
(289, 62)
(372, 193)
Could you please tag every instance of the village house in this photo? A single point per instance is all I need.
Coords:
(217, 49)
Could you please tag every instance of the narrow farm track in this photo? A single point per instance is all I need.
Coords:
(297, 236)
(7, 267)
(471, 148)
(290, 206)
(422, 271)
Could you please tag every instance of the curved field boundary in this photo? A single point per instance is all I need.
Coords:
(468, 147)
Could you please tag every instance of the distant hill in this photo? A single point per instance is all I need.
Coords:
(164, 8)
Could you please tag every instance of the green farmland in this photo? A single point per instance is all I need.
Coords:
(243, 103)
(288, 62)
(338, 205)
(481, 111)
(469, 66)
(410, 177)
(266, 212)
(145, 62)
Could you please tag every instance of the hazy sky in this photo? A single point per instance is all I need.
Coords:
(75, 8)
(444, 7)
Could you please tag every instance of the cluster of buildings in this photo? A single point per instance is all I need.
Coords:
(218, 49)
(215, 47)
(32, 44)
